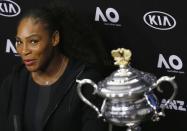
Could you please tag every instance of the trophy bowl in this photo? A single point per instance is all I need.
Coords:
(128, 94)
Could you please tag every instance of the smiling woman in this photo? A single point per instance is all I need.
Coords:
(36, 43)
(40, 95)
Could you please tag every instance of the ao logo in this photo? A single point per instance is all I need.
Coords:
(9, 8)
(174, 61)
(159, 20)
(110, 14)
(10, 47)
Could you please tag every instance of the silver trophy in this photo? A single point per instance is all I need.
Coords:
(128, 94)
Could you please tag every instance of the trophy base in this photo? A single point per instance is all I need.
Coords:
(129, 127)
(134, 128)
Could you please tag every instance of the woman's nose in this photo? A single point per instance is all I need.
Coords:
(25, 50)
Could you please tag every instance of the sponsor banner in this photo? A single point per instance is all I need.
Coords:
(159, 20)
(173, 63)
(9, 8)
(110, 16)
(177, 105)
(10, 47)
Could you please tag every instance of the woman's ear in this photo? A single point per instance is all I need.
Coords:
(55, 38)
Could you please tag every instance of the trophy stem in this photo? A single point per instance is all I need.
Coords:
(134, 128)
(109, 127)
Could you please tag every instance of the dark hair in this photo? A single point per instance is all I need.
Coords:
(78, 38)
(48, 17)
(43, 15)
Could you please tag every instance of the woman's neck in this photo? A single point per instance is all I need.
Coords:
(52, 72)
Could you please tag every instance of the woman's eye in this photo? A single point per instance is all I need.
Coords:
(34, 42)
(18, 42)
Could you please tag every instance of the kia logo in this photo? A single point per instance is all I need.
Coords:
(9, 8)
(159, 20)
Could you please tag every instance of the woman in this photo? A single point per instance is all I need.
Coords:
(41, 94)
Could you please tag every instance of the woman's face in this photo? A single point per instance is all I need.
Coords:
(33, 44)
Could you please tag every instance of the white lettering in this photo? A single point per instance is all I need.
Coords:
(111, 14)
(163, 104)
(159, 20)
(1, 9)
(161, 60)
(175, 65)
(152, 20)
(166, 21)
(12, 8)
(179, 64)
(174, 105)
(99, 14)
(116, 15)
(5, 7)
(10, 47)
(9, 8)
(162, 22)
(181, 106)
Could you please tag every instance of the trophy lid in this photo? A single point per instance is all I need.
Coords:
(126, 81)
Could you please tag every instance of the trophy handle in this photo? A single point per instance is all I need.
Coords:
(174, 85)
(152, 100)
(79, 90)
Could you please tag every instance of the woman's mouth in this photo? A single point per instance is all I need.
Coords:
(29, 62)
